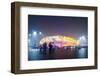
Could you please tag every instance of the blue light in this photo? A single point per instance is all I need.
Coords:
(40, 33)
(34, 33)
(82, 38)
(83, 41)
(29, 35)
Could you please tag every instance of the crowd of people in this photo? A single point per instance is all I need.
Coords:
(47, 47)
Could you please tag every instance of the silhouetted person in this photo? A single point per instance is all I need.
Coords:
(50, 47)
(44, 47)
(41, 48)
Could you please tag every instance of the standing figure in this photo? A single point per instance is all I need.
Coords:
(50, 47)
(44, 47)
(41, 48)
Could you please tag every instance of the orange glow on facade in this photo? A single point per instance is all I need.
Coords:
(60, 41)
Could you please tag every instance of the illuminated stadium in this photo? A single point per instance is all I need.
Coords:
(60, 41)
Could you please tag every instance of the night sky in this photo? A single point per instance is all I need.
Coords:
(58, 25)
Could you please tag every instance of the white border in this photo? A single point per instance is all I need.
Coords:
(25, 64)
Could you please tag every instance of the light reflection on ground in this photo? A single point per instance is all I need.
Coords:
(70, 53)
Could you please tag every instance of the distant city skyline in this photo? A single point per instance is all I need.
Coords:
(58, 25)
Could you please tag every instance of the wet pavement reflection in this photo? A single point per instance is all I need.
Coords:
(58, 53)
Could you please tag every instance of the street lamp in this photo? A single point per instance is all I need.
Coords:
(40, 33)
(82, 40)
(34, 33)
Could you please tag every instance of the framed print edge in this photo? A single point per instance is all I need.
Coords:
(15, 44)
(15, 37)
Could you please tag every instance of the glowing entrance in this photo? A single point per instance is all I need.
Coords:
(60, 41)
